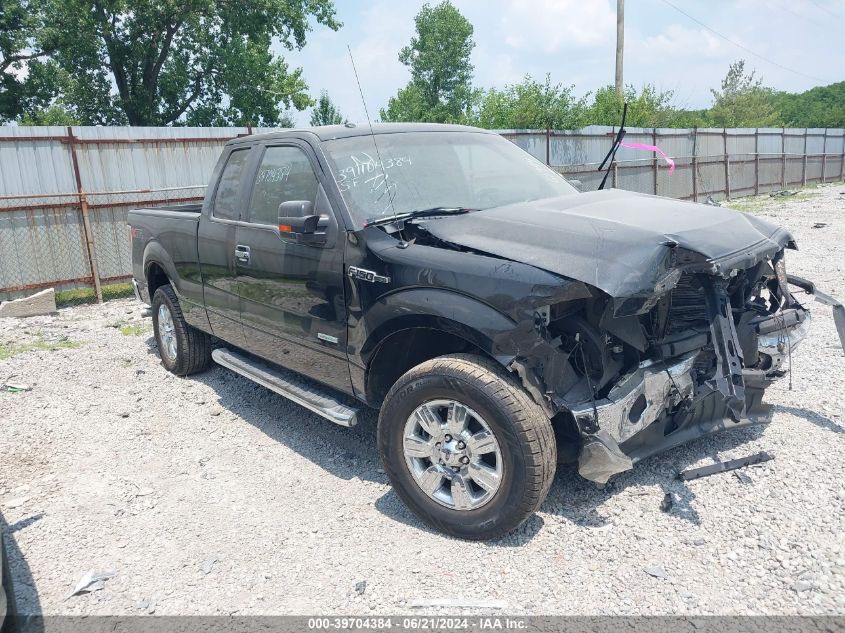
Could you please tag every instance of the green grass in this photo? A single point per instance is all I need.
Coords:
(7, 350)
(754, 204)
(128, 329)
(79, 296)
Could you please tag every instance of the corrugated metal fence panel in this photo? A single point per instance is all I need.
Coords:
(174, 161)
(35, 166)
(44, 244)
(581, 147)
(532, 142)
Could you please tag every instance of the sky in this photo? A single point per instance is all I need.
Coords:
(574, 41)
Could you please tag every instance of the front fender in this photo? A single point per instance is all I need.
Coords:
(452, 312)
(522, 347)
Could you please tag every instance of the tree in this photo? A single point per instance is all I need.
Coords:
(325, 112)
(531, 105)
(822, 106)
(743, 101)
(20, 21)
(440, 89)
(647, 108)
(198, 62)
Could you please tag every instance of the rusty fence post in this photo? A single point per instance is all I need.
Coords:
(694, 165)
(804, 165)
(824, 155)
(89, 241)
(842, 164)
(548, 146)
(756, 161)
(783, 158)
(86, 221)
(727, 164)
(654, 159)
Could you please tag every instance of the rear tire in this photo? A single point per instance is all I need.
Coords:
(462, 482)
(183, 349)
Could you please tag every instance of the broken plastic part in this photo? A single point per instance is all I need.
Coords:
(723, 467)
(601, 458)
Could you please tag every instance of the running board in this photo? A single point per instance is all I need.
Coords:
(290, 385)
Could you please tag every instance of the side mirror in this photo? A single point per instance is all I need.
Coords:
(297, 222)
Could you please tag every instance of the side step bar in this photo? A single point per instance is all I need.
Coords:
(290, 385)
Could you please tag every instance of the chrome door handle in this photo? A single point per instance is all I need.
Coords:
(242, 254)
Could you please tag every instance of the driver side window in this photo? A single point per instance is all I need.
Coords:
(285, 174)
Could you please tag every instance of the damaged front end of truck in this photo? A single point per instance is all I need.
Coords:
(648, 373)
(676, 335)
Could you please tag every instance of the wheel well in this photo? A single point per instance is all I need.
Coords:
(156, 277)
(405, 349)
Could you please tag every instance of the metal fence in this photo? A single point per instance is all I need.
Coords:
(65, 192)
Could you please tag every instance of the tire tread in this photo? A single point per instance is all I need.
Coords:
(530, 423)
(193, 349)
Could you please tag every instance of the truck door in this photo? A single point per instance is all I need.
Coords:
(292, 295)
(216, 237)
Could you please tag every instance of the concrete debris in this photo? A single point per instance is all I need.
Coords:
(207, 565)
(92, 581)
(656, 571)
(38, 304)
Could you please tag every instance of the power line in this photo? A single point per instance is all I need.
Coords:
(825, 9)
(785, 7)
(745, 48)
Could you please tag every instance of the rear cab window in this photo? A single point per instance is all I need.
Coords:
(226, 198)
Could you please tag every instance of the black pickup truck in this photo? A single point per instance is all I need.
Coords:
(499, 319)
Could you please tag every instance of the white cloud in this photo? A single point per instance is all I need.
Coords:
(553, 25)
(675, 42)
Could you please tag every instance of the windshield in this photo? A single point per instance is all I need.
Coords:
(436, 169)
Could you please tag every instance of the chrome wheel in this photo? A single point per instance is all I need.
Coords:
(166, 333)
(452, 454)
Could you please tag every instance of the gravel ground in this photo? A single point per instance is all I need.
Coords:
(211, 495)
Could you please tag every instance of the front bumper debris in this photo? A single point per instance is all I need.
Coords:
(825, 299)
(639, 398)
(662, 404)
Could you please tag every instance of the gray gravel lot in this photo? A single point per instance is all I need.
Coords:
(211, 495)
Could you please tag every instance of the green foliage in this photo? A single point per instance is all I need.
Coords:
(20, 21)
(325, 112)
(54, 114)
(647, 108)
(743, 101)
(7, 350)
(197, 62)
(822, 106)
(440, 89)
(531, 105)
(134, 329)
(77, 296)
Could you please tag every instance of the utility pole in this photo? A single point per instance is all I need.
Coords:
(620, 44)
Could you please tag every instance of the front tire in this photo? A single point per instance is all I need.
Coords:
(183, 349)
(465, 447)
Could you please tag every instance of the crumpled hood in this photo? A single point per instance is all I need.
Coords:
(617, 241)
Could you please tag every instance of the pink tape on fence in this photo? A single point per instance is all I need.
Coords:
(651, 148)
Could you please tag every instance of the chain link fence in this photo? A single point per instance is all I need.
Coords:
(76, 243)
